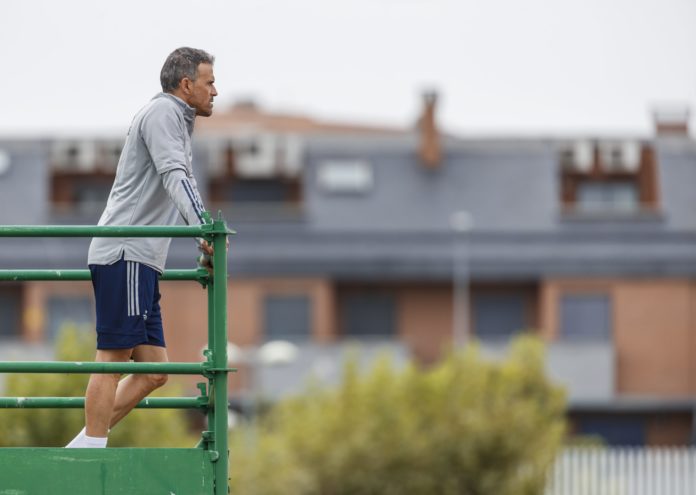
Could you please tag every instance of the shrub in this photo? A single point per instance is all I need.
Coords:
(466, 426)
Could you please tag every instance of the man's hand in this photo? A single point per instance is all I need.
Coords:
(206, 248)
(205, 260)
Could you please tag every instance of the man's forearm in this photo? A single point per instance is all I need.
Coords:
(184, 194)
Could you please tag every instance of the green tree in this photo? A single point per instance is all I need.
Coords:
(466, 426)
(56, 427)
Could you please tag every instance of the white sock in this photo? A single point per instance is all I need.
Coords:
(82, 441)
(95, 442)
(77, 441)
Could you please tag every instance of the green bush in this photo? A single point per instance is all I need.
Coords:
(466, 426)
(56, 427)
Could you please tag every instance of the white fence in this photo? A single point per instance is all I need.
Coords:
(624, 471)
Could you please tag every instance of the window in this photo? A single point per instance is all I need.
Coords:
(258, 190)
(82, 174)
(368, 314)
(608, 177)
(68, 310)
(287, 317)
(10, 312)
(498, 316)
(585, 317)
(620, 155)
(345, 176)
(85, 156)
(619, 431)
(619, 196)
(256, 176)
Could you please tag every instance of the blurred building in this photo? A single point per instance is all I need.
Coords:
(408, 240)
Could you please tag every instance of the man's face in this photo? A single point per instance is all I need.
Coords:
(203, 91)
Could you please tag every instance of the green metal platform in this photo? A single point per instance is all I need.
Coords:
(112, 471)
(202, 470)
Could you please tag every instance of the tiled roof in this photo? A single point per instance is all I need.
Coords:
(249, 117)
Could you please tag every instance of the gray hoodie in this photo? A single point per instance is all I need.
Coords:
(154, 183)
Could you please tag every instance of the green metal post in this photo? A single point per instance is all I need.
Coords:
(209, 356)
(220, 355)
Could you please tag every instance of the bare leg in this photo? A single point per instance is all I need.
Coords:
(134, 388)
(101, 392)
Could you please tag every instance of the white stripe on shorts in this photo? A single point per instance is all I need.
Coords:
(135, 292)
(128, 291)
(132, 286)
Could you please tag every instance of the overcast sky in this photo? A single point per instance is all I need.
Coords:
(551, 67)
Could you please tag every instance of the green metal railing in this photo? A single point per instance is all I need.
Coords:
(213, 399)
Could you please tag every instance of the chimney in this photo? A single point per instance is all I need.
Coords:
(671, 120)
(430, 151)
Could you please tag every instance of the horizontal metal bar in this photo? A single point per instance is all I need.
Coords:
(92, 367)
(198, 274)
(25, 275)
(79, 403)
(105, 230)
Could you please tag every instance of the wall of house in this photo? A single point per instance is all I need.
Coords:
(653, 323)
(246, 298)
(655, 341)
(425, 320)
(184, 316)
(184, 307)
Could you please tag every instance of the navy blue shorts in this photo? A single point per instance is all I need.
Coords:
(127, 302)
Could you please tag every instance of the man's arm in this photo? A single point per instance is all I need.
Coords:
(164, 137)
(184, 193)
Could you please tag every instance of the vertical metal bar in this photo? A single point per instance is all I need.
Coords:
(660, 468)
(209, 350)
(568, 470)
(617, 471)
(220, 355)
(596, 486)
(673, 473)
(688, 468)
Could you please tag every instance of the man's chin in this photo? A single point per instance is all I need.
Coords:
(204, 113)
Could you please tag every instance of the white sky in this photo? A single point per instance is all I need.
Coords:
(551, 67)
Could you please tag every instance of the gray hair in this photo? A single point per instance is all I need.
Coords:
(182, 62)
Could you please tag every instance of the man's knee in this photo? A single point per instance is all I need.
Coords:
(104, 379)
(156, 380)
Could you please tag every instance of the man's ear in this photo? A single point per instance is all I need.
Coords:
(186, 85)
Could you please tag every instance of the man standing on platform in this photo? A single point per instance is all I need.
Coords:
(154, 185)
